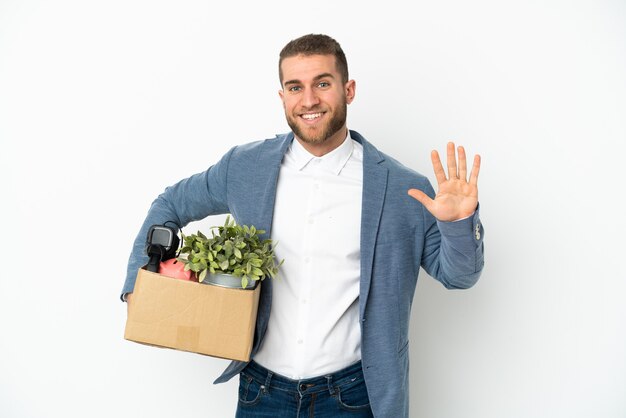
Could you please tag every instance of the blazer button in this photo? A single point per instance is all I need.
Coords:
(477, 232)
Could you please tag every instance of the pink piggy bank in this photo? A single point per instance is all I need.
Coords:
(176, 269)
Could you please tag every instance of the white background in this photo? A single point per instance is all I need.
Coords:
(104, 103)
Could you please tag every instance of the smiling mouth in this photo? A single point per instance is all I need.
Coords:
(311, 116)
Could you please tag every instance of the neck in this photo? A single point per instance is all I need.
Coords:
(323, 148)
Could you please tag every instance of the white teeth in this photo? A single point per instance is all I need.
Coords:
(311, 116)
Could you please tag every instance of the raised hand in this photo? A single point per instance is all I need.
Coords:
(457, 198)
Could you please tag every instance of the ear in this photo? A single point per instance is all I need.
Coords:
(350, 90)
(281, 94)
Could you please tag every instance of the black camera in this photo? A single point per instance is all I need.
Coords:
(161, 244)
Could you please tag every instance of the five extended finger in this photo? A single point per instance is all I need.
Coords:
(462, 164)
(421, 197)
(440, 175)
(475, 170)
(452, 173)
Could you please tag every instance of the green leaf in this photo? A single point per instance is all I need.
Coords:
(202, 275)
(244, 281)
(230, 248)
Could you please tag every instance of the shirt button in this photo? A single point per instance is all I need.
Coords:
(300, 341)
(310, 220)
(304, 301)
(307, 259)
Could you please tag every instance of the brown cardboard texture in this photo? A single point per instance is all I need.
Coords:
(190, 316)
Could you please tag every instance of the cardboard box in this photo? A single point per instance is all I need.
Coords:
(190, 316)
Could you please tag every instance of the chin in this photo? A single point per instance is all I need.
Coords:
(313, 140)
(311, 136)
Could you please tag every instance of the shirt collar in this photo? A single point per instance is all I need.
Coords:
(334, 161)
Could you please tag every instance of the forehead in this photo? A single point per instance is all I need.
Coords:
(308, 67)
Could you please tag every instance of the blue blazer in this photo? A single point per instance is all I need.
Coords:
(398, 236)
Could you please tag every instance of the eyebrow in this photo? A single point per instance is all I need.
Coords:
(318, 77)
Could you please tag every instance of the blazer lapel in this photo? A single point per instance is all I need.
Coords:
(265, 177)
(374, 188)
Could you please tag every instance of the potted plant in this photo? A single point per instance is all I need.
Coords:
(234, 256)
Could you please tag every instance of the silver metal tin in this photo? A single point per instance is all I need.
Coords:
(228, 280)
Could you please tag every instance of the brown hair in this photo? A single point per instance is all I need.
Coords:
(315, 44)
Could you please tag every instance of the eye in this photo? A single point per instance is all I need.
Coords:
(324, 84)
(295, 88)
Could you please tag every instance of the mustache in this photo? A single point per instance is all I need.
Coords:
(313, 109)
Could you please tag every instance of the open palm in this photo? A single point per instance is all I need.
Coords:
(457, 197)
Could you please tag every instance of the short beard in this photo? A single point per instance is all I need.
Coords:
(332, 127)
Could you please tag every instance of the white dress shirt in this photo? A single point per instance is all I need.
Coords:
(313, 327)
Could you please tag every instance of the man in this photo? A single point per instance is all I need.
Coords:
(354, 227)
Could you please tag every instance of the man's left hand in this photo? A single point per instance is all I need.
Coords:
(457, 198)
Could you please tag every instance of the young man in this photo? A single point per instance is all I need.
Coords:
(354, 227)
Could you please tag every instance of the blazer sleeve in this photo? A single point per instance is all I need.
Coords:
(189, 200)
(453, 251)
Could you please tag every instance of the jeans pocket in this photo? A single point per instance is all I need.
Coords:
(353, 397)
(250, 390)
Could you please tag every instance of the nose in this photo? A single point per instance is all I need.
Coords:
(310, 98)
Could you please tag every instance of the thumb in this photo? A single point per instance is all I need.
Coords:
(421, 197)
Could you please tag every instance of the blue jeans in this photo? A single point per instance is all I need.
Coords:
(263, 394)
